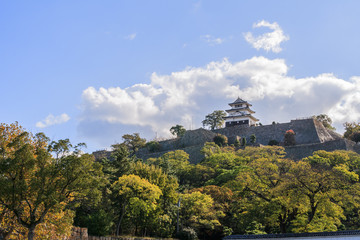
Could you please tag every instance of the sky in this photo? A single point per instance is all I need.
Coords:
(92, 71)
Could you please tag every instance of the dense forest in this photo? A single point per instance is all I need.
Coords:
(47, 187)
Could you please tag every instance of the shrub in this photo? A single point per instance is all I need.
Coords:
(243, 142)
(153, 146)
(273, 142)
(220, 140)
(289, 138)
(187, 234)
(355, 137)
(237, 142)
(253, 138)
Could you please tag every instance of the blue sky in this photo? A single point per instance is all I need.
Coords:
(92, 71)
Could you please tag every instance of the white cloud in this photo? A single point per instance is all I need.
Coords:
(211, 40)
(268, 41)
(130, 36)
(185, 97)
(53, 120)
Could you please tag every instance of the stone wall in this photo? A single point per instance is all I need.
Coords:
(124, 238)
(195, 156)
(82, 234)
(298, 152)
(78, 233)
(306, 130)
(192, 142)
(310, 136)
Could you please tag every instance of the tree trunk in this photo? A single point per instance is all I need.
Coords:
(31, 233)
(282, 223)
(118, 229)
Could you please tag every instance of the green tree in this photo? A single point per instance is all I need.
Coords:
(273, 142)
(172, 163)
(134, 142)
(325, 120)
(178, 130)
(355, 137)
(350, 128)
(167, 183)
(163, 220)
(323, 182)
(196, 176)
(214, 120)
(198, 212)
(264, 186)
(220, 140)
(119, 162)
(153, 146)
(99, 217)
(209, 149)
(252, 138)
(137, 197)
(243, 141)
(33, 184)
(237, 142)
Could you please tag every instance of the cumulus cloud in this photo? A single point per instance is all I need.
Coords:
(53, 120)
(185, 97)
(211, 40)
(268, 41)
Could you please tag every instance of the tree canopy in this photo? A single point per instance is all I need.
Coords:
(133, 141)
(177, 130)
(33, 185)
(214, 120)
(350, 128)
(325, 120)
(45, 187)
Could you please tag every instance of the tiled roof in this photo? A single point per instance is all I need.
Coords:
(239, 100)
(239, 108)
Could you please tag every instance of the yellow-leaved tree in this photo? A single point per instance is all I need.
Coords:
(35, 187)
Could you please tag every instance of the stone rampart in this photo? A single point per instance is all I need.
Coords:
(306, 130)
(310, 136)
(191, 143)
(298, 152)
(195, 156)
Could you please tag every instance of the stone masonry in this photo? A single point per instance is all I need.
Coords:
(310, 136)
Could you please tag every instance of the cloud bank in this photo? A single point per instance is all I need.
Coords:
(185, 97)
(53, 120)
(268, 41)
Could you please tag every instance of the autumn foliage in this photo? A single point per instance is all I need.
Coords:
(46, 187)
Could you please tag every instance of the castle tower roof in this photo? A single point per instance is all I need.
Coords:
(238, 101)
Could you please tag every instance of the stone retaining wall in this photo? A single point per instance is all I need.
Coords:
(306, 130)
(310, 136)
(298, 152)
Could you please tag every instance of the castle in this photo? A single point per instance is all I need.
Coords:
(310, 136)
(240, 114)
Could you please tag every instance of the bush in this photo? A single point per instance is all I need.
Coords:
(187, 234)
(253, 138)
(289, 138)
(237, 142)
(355, 137)
(220, 140)
(243, 142)
(273, 142)
(153, 146)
